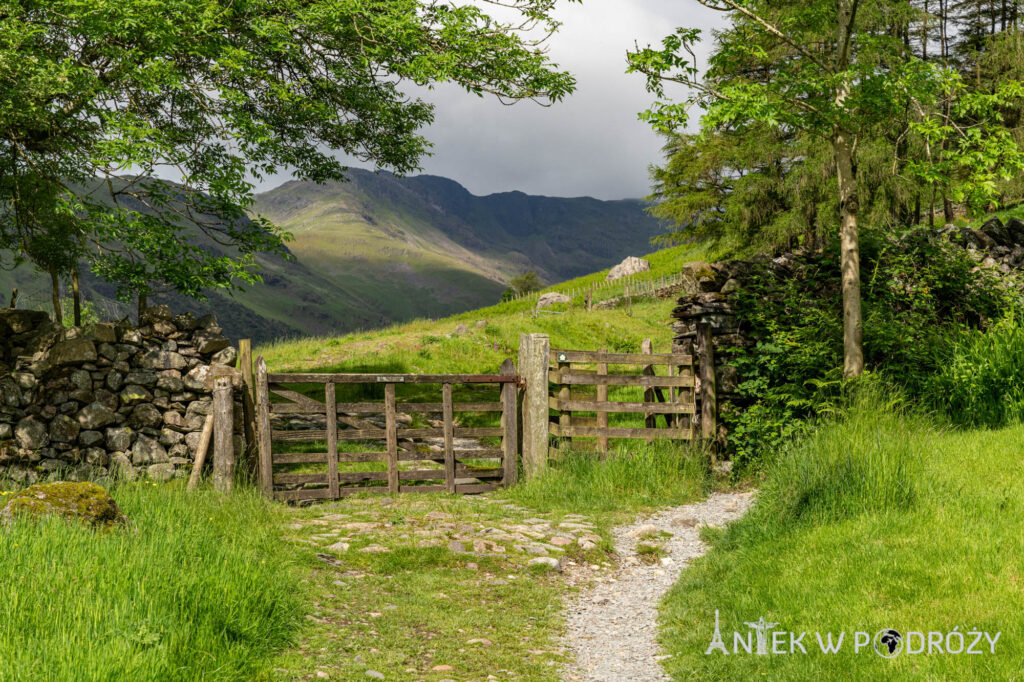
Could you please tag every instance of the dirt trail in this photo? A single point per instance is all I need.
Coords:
(612, 628)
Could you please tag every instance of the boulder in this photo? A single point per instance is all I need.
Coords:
(95, 416)
(133, 394)
(155, 313)
(630, 266)
(64, 429)
(119, 438)
(551, 298)
(90, 439)
(162, 359)
(73, 352)
(31, 433)
(161, 472)
(84, 501)
(148, 451)
(21, 321)
(102, 332)
(208, 342)
(226, 356)
(195, 380)
(145, 415)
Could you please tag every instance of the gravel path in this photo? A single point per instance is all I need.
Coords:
(612, 628)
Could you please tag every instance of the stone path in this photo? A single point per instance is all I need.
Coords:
(612, 628)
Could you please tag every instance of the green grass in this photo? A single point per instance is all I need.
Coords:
(197, 587)
(880, 521)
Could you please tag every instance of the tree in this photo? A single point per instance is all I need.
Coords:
(526, 283)
(838, 74)
(146, 124)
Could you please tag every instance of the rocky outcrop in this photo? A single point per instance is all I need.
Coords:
(630, 266)
(82, 501)
(551, 298)
(105, 399)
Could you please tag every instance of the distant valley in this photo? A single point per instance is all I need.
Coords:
(381, 249)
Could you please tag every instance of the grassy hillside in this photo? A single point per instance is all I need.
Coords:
(492, 333)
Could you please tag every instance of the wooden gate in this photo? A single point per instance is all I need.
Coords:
(667, 408)
(390, 443)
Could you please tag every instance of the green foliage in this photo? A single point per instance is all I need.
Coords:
(526, 283)
(199, 586)
(980, 379)
(89, 312)
(103, 102)
(919, 291)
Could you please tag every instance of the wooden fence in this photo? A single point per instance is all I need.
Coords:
(669, 395)
(456, 462)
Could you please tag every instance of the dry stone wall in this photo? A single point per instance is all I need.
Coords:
(107, 399)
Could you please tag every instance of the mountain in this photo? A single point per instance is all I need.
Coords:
(380, 249)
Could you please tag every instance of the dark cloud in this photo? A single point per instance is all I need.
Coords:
(589, 144)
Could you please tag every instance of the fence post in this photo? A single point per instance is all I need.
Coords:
(223, 445)
(708, 396)
(534, 354)
(602, 397)
(266, 466)
(447, 409)
(248, 398)
(391, 430)
(509, 424)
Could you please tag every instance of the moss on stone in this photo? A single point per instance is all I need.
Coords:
(86, 501)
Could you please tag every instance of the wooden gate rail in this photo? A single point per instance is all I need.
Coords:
(677, 409)
(396, 448)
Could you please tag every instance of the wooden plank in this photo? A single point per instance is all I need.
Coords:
(449, 439)
(248, 401)
(418, 408)
(325, 493)
(479, 473)
(296, 397)
(625, 407)
(263, 434)
(593, 357)
(332, 437)
(510, 424)
(647, 348)
(323, 478)
(200, 459)
(602, 397)
(476, 488)
(708, 395)
(321, 457)
(613, 432)
(392, 437)
(564, 395)
(421, 489)
(483, 453)
(392, 378)
(573, 379)
(223, 435)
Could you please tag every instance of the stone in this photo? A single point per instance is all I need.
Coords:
(10, 393)
(630, 266)
(551, 298)
(644, 529)
(170, 380)
(119, 438)
(585, 544)
(96, 457)
(442, 668)
(684, 521)
(31, 433)
(485, 546)
(163, 359)
(374, 674)
(121, 467)
(337, 547)
(550, 563)
(20, 321)
(133, 394)
(460, 330)
(195, 380)
(161, 472)
(144, 415)
(114, 380)
(64, 429)
(102, 332)
(6, 431)
(90, 439)
(95, 416)
(457, 547)
(207, 321)
(154, 313)
(482, 641)
(141, 377)
(81, 380)
(560, 541)
(374, 549)
(173, 418)
(207, 342)
(148, 451)
(228, 356)
(73, 352)
(83, 501)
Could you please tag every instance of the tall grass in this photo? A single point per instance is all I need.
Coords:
(981, 380)
(636, 476)
(868, 459)
(198, 587)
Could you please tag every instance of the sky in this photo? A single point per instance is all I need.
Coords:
(589, 144)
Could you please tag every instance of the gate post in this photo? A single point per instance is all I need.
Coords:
(708, 395)
(534, 354)
(266, 466)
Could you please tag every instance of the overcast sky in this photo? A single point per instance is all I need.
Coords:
(591, 143)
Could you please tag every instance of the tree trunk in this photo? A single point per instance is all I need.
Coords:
(853, 328)
(55, 292)
(76, 292)
(947, 209)
(142, 306)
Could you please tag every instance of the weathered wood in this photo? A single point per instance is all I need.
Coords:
(602, 399)
(630, 407)
(590, 357)
(248, 400)
(449, 437)
(325, 493)
(223, 438)
(647, 348)
(378, 408)
(509, 424)
(263, 433)
(332, 437)
(392, 378)
(534, 351)
(564, 395)
(245, 364)
(200, 459)
(571, 378)
(392, 436)
(615, 432)
(708, 395)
